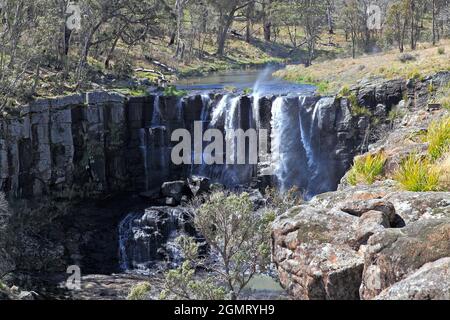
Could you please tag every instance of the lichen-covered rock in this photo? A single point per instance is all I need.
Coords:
(314, 252)
(430, 282)
(392, 254)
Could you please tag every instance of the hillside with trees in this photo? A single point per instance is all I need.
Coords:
(53, 47)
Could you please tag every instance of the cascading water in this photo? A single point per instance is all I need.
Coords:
(302, 140)
(146, 238)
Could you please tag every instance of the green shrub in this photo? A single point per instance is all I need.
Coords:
(415, 75)
(231, 89)
(441, 50)
(395, 114)
(345, 91)
(357, 110)
(438, 137)
(446, 103)
(172, 91)
(417, 174)
(140, 291)
(367, 169)
(248, 91)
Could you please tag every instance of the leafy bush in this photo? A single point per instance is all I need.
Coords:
(367, 169)
(248, 91)
(438, 137)
(417, 174)
(395, 114)
(237, 235)
(441, 50)
(282, 202)
(415, 75)
(140, 291)
(345, 91)
(172, 91)
(182, 283)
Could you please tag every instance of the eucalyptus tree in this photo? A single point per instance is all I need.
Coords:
(226, 12)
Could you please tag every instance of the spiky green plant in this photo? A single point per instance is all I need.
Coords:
(438, 138)
(417, 174)
(367, 169)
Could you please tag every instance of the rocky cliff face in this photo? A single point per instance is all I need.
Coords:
(372, 241)
(68, 165)
(72, 169)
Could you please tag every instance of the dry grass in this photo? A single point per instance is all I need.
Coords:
(346, 72)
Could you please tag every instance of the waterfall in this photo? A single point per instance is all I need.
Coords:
(125, 232)
(143, 147)
(255, 109)
(307, 132)
(219, 110)
(180, 109)
(206, 102)
(156, 117)
(231, 124)
(303, 147)
(149, 238)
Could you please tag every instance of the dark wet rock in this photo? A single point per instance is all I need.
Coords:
(199, 185)
(176, 190)
(144, 237)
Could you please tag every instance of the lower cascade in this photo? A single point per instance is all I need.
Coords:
(307, 150)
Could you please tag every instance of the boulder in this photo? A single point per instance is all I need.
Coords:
(199, 185)
(370, 223)
(392, 254)
(430, 282)
(175, 190)
(315, 255)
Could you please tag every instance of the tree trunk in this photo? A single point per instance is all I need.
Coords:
(222, 36)
(434, 22)
(110, 53)
(267, 24)
(268, 31)
(248, 31)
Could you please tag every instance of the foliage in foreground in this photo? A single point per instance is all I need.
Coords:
(238, 239)
(140, 291)
(367, 169)
(183, 283)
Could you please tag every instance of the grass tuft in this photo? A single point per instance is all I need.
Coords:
(418, 174)
(438, 138)
(367, 169)
(357, 110)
